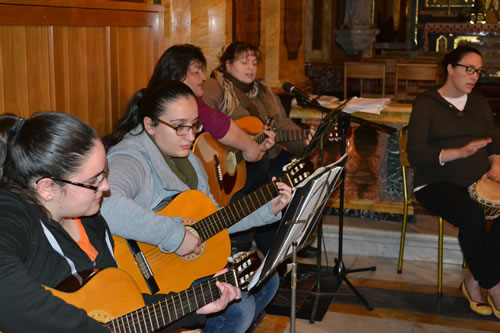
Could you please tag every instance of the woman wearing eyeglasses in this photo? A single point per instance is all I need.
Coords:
(452, 143)
(53, 175)
(152, 163)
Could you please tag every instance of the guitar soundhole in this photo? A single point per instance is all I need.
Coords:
(193, 256)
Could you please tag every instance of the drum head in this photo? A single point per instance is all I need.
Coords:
(488, 190)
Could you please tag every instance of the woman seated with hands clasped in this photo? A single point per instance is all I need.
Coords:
(53, 174)
(452, 144)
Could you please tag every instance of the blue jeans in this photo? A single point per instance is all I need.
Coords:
(239, 315)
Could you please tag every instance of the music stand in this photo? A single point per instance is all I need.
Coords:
(298, 222)
(343, 119)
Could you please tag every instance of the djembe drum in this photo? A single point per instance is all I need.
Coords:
(486, 193)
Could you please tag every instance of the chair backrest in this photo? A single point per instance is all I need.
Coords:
(364, 70)
(403, 153)
(413, 72)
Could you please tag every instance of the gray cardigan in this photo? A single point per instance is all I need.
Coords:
(141, 181)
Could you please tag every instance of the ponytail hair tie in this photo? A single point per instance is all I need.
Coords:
(16, 128)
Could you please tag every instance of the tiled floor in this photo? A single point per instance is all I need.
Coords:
(404, 302)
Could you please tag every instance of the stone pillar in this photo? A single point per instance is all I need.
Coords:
(357, 33)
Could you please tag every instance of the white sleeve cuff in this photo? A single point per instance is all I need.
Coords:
(442, 163)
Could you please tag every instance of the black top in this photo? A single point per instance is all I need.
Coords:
(28, 261)
(435, 124)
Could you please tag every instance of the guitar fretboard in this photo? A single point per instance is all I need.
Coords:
(281, 136)
(162, 313)
(291, 135)
(229, 215)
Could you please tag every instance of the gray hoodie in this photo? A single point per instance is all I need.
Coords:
(141, 182)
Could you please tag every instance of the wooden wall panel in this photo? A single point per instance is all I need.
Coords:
(86, 58)
(26, 80)
(134, 62)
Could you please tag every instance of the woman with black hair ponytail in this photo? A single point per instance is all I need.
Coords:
(153, 163)
(53, 173)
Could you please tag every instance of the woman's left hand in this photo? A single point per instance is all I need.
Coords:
(283, 199)
(494, 171)
(228, 294)
(311, 133)
(269, 142)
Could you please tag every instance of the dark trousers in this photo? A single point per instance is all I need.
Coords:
(259, 174)
(481, 248)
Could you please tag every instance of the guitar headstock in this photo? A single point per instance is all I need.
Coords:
(298, 170)
(244, 266)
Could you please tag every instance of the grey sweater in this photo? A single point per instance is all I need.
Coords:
(141, 181)
(435, 124)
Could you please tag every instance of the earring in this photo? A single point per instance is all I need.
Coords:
(49, 198)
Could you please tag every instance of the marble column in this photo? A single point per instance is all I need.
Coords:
(357, 33)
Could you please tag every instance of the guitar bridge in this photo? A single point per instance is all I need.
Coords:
(143, 265)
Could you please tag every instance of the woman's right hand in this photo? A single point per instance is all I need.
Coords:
(190, 244)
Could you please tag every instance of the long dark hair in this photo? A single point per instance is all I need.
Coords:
(235, 50)
(149, 102)
(174, 63)
(454, 57)
(46, 144)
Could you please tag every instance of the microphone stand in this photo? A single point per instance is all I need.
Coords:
(339, 269)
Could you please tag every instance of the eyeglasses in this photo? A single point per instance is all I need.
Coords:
(471, 70)
(182, 130)
(99, 179)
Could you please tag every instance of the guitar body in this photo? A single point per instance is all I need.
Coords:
(251, 125)
(109, 294)
(226, 174)
(171, 272)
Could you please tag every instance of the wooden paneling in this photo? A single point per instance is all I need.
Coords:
(246, 21)
(86, 58)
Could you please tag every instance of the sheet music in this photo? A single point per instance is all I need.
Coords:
(304, 210)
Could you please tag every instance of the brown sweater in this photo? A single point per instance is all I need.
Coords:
(435, 124)
(266, 103)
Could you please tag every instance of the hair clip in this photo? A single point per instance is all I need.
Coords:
(16, 128)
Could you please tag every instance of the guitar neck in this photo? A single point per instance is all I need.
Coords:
(259, 138)
(229, 215)
(291, 135)
(281, 136)
(164, 312)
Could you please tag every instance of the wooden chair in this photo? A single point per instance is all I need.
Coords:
(415, 74)
(408, 200)
(364, 70)
(390, 72)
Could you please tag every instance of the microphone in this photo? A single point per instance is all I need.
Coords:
(299, 94)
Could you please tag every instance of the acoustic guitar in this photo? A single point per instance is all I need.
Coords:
(112, 297)
(225, 166)
(154, 270)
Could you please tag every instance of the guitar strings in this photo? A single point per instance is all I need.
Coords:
(228, 214)
(153, 312)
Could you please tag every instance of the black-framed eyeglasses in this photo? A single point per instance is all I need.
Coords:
(471, 70)
(94, 187)
(182, 130)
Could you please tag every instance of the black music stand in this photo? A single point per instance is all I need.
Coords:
(343, 120)
(298, 222)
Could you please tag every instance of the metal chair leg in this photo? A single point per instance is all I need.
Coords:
(403, 225)
(440, 258)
